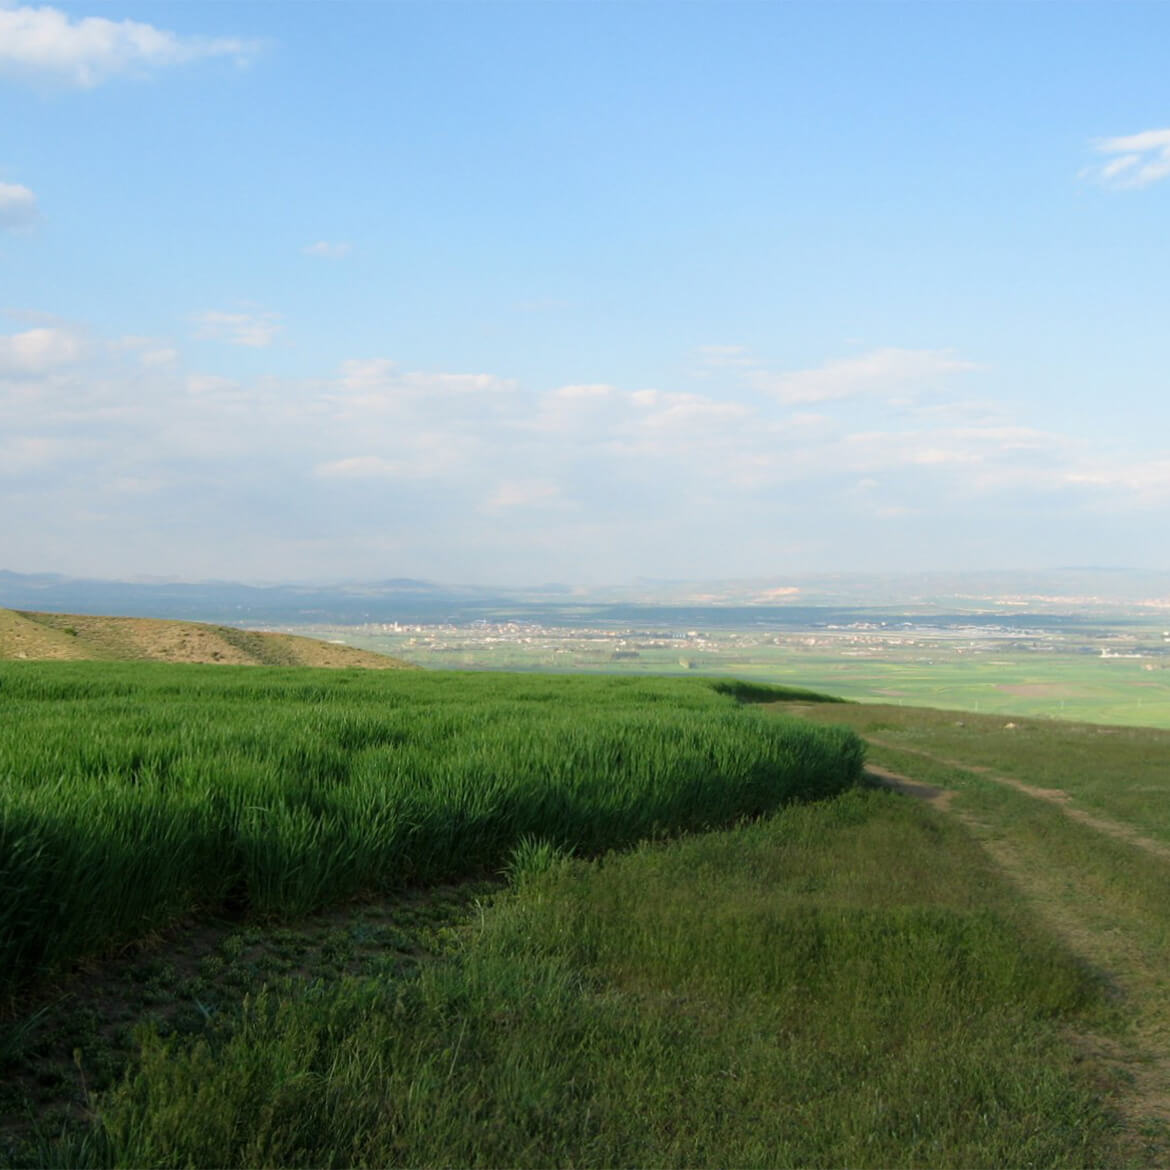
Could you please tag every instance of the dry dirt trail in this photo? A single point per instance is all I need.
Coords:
(1113, 933)
(1055, 796)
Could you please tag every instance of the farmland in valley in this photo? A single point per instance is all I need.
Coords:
(1108, 667)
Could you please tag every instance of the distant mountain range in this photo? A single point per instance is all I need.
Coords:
(404, 599)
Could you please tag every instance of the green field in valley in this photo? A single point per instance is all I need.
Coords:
(1056, 686)
(1103, 669)
(300, 918)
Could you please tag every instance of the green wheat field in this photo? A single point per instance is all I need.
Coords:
(269, 917)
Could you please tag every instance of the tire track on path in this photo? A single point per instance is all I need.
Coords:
(1133, 1063)
(1056, 796)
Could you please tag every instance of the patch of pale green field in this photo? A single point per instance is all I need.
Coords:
(1057, 686)
(1040, 684)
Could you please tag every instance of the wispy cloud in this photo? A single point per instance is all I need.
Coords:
(1146, 482)
(418, 456)
(18, 205)
(378, 383)
(36, 351)
(253, 329)
(24, 454)
(46, 43)
(610, 479)
(151, 351)
(716, 357)
(522, 493)
(885, 371)
(328, 250)
(1136, 160)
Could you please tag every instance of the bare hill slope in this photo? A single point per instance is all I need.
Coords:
(25, 634)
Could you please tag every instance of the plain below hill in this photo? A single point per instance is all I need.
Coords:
(39, 636)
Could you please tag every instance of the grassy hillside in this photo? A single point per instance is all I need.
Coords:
(45, 636)
(974, 978)
(766, 996)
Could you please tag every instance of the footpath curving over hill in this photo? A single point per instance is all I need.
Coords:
(41, 636)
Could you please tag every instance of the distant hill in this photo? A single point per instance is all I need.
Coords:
(789, 600)
(30, 635)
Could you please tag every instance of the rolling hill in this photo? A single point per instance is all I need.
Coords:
(38, 636)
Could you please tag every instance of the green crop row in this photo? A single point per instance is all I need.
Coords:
(133, 794)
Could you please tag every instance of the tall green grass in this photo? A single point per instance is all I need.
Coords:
(133, 794)
(844, 984)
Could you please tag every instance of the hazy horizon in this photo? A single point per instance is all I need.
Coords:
(1116, 583)
(529, 292)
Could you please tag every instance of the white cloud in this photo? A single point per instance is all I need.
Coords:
(359, 467)
(724, 356)
(472, 467)
(18, 205)
(136, 485)
(45, 42)
(33, 453)
(521, 493)
(208, 384)
(37, 350)
(368, 373)
(939, 446)
(1138, 159)
(883, 371)
(164, 355)
(255, 329)
(380, 384)
(418, 455)
(686, 411)
(150, 351)
(461, 384)
(325, 250)
(584, 390)
(1144, 482)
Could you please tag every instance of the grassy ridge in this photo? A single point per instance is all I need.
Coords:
(130, 795)
(848, 983)
(35, 636)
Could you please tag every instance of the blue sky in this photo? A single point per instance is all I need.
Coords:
(511, 292)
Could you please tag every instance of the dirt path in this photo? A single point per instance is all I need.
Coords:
(1131, 1062)
(1055, 796)
(939, 797)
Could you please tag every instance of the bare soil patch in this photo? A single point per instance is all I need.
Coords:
(938, 797)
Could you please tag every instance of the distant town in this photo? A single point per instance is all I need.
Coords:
(485, 643)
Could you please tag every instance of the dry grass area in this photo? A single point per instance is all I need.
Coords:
(21, 637)
(39, 636)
